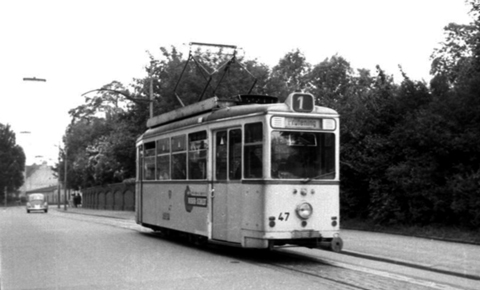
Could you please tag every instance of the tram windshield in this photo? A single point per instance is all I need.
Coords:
(302, 155)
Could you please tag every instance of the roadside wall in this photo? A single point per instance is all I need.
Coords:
(118, 196)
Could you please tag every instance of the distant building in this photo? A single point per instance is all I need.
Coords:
(41, 179)
(50, 192)
(39, 176)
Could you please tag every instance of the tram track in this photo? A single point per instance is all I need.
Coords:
(385, 277)
(272, 259)
(342, 275)
(316, 274)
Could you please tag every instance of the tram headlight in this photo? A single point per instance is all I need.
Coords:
(304, 210)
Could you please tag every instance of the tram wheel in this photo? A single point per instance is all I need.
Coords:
(271, 245)
(336, 245)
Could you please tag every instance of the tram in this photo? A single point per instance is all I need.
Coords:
(247, 171)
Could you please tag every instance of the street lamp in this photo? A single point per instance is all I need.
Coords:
(59, 187)
(27, 79)
(64, 178)
(34, 79)
(66, 158)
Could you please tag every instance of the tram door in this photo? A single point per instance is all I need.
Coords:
(227, 213)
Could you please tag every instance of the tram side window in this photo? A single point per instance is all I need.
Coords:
(163, 159)
(253, 149)
(235, 154)
(149, 161)
(197, 155)
(221, 155)
(179, 157)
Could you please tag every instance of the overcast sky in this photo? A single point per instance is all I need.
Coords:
(82, 45)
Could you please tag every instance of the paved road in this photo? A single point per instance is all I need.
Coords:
(67, 251)
(453, 258)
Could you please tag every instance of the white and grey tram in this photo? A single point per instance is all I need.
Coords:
(247, 172)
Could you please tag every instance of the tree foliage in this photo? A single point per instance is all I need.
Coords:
(409, 151)
(100, 141)
(12, 161)
(290, 75)
(419, 161)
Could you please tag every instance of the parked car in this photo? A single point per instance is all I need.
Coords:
(37, 202)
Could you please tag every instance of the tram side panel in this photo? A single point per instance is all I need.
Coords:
(253, 225)
(179, 206)
(227, 212)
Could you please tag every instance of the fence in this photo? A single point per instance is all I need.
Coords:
(118, 196)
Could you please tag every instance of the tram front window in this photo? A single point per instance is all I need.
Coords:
(301, 155)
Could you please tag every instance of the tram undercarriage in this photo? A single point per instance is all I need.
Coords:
(331, 244)
(334, 244)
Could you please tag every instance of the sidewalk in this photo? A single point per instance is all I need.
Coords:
(461, 260)
(127, 215)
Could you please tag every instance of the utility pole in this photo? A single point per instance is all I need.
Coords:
(58, 193)
(66, 162)
(65, 181)
(59, 183)
(151, 88)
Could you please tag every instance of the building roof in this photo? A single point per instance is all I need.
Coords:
(30, 169)
(43, 189)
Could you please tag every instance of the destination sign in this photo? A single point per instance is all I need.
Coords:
(303, 123)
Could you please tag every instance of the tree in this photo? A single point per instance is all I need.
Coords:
(453, 58)
(290, 75)
(456, 89)
(100, 141)
(409, 153)
(459, 55)
(189, 77)
(12, 161)
(331, 81)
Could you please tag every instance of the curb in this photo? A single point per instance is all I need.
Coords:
(102, 214)
(411, 265)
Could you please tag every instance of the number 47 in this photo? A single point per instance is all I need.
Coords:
(283, 216)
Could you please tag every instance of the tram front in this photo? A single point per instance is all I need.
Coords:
(301, 190)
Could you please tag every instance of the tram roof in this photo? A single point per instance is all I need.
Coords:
(214, 109)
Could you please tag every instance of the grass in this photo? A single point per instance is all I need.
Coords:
(437, 232)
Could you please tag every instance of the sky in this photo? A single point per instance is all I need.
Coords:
(78, 46)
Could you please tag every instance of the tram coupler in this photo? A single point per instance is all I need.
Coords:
(335, 244)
